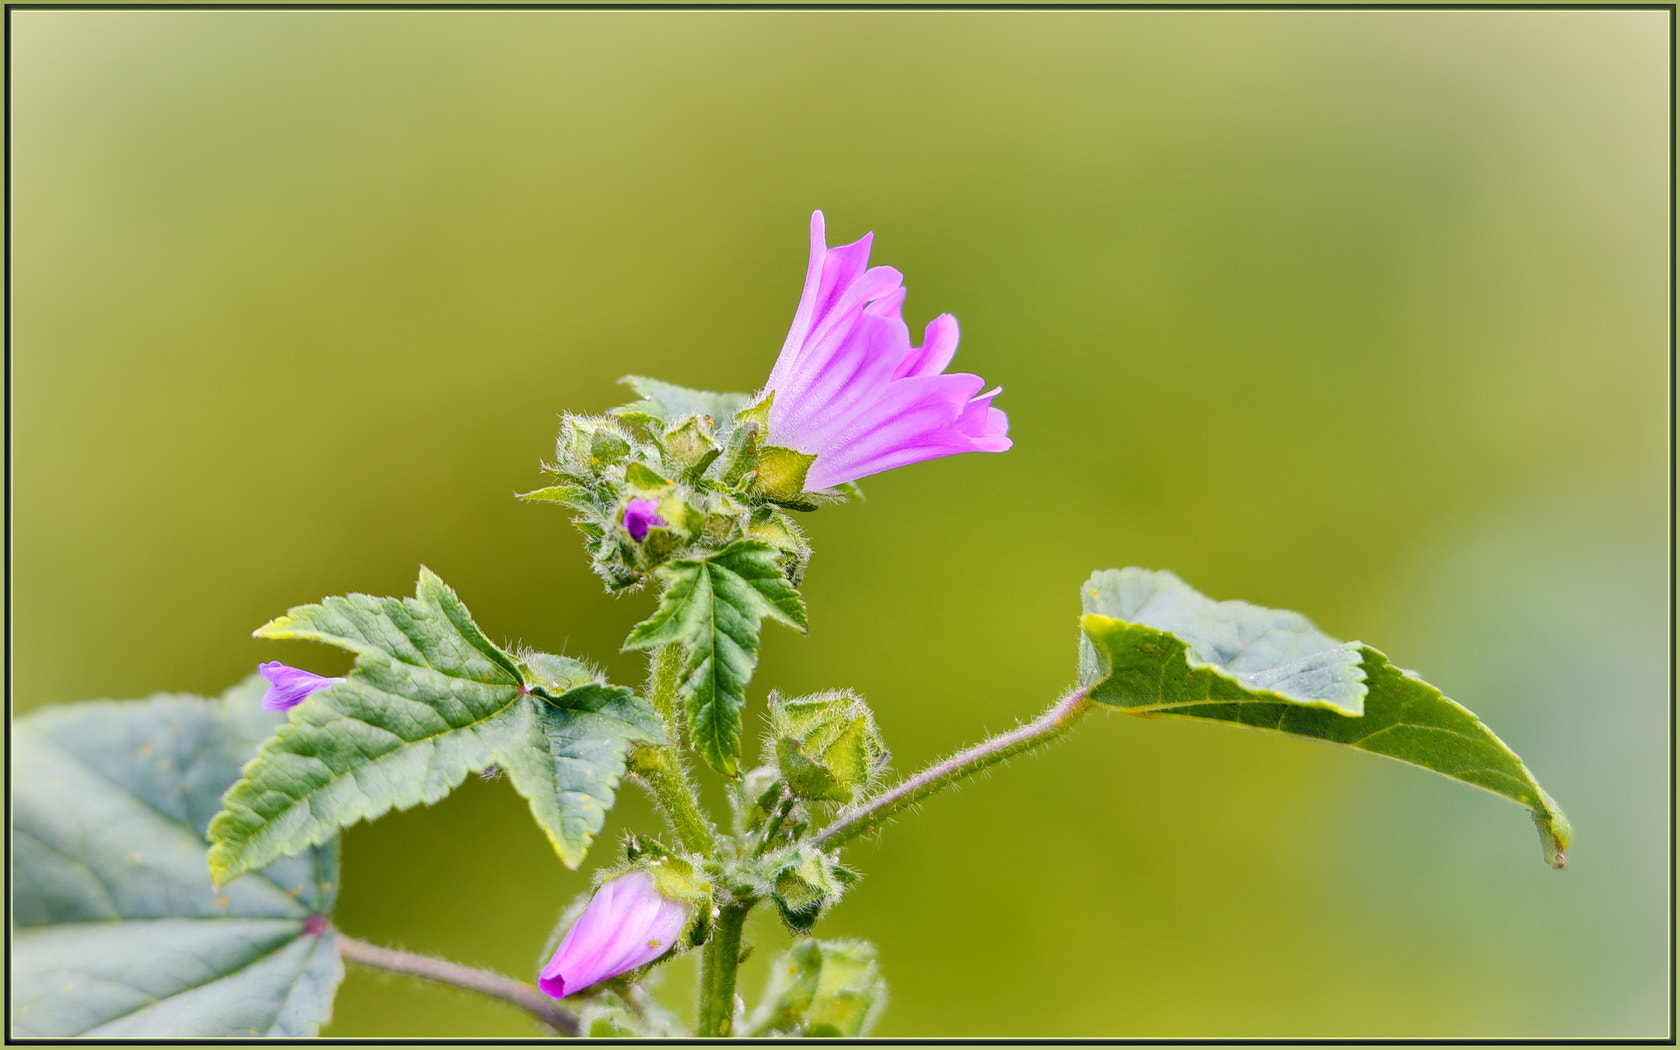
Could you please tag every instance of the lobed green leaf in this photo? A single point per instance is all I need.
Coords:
(430, 700)
(1154, 645)
(117, 931)
(714, 607)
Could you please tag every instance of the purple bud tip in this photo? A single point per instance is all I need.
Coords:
(315, 925)
(289, 687)
(629, 923)
(640, 516)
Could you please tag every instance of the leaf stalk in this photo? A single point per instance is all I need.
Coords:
(867, 815)
(443, 971)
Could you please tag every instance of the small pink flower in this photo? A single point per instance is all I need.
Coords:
(289, 687)
(851, 390)
(629, 923)
(640, 515)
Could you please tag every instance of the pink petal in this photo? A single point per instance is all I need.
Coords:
(939, 345)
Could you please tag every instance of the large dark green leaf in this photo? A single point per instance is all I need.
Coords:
(1153, 645)
(713, 607)
(118, 933)
(430, 700)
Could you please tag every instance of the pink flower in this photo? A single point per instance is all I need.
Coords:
(289, 687)
(640, 515)
(629, 923)
(851, 390)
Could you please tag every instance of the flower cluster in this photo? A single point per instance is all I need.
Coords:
(681, 472)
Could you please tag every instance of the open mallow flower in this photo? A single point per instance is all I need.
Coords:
(628, 923)
(851, 390)
(640, 515)
(289, 687)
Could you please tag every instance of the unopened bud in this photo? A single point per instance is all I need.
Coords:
(826, 745)
(629, 923)
(640, 515)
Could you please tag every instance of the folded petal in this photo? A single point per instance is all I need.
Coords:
(939, 345)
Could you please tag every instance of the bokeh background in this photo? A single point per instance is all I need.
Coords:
(1356, 313)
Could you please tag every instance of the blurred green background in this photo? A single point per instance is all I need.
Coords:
(1356, 313)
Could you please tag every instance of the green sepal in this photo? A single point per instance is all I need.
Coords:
(607, 448)
(780, 474)
(757, 413)
(713, 608)
(821, 990)
(607, 1021)
(575, 496)
(690, 447)
(1155, 646)
(740, 455)
(776, 529)
(644, 477)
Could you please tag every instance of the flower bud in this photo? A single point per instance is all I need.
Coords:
(806, 885)
(690, 447)
(822, 989)
(289, 687)
(640, 515)
(826, 745)
(628, 924)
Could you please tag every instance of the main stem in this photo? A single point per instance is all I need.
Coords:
(443, 971)
(1063, 715)
(662, 768)
(718, 965)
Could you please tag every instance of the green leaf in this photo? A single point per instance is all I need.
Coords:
(573, 758)
(713, 608)
(669, 402)
(118, 933)
(1153, 645)
(430, 700)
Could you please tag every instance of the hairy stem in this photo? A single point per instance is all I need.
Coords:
(664, 675)
(443, 971)
(774, 825)
(1063, 715)
(662, 768)
(718, 965)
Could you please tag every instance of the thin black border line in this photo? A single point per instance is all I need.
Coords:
(1673, 534)
(872, 6)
